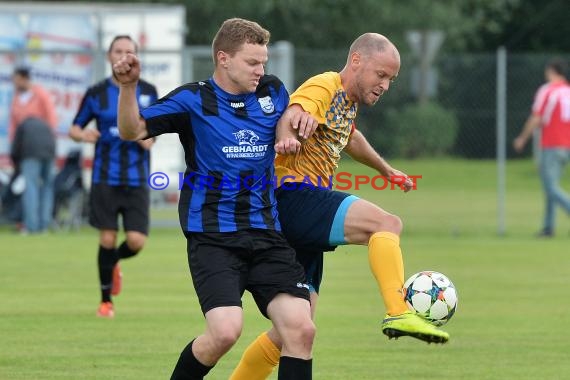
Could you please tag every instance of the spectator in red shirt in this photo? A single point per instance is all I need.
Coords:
(551, 113)
(30, 100)
(32, 125)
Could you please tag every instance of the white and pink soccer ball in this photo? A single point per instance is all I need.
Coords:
(432, 295)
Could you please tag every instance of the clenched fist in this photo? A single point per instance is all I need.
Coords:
(127, 70)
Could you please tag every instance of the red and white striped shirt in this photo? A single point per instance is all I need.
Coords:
(552, 105)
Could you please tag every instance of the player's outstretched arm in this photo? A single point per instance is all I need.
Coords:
(360, 150)
(127, 72)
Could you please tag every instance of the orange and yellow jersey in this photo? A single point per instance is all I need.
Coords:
(323, 97)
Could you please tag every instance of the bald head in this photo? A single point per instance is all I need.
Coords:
(373, 63)
(370, 43)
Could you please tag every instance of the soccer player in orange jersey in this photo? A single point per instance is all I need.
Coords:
(316, 219)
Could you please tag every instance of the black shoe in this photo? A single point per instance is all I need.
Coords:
(545, 234)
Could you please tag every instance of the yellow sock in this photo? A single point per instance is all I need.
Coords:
(385, 258)
(258, 360)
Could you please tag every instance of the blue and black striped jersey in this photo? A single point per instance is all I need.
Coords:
(116, 162)
(228, 142)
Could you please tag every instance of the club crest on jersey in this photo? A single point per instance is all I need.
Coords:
(266, 104)
(144, 100)
(114, 131)
(246, 137)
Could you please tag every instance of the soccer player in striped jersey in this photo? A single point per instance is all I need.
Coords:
(316, 219)
(120, 172)
(227, 126)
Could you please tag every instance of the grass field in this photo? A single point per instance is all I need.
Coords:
(512, 320)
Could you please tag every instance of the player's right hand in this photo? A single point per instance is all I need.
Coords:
(302, 121)
(289, 145)
(127, 70)
(305, 123)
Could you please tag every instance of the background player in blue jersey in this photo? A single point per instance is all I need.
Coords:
(120, 172)
(227, 126)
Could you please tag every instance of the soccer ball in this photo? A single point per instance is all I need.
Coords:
(432, 295)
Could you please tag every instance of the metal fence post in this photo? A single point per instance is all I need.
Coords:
(501, 138)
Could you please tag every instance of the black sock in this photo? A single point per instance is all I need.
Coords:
(107, 259)
(188, 367)
(125, 252)
(295, 368)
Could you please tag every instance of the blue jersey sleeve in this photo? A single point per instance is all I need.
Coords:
(284, 98)
(86, 110)
(169, 114)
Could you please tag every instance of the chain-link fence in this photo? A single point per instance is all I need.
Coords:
(458, 118)
(463, 97)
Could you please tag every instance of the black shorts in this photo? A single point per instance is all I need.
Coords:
(225, 264)
(107, 202)
(306, 215)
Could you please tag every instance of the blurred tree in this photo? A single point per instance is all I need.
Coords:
(325, 24)
(469, 25)
(533, 26)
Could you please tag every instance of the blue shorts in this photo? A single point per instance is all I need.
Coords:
(312, 220)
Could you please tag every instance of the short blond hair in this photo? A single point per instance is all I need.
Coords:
(235, 32)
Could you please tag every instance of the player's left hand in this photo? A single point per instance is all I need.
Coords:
(305, 123)
(288, 145)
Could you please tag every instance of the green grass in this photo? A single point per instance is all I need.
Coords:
(512, 320)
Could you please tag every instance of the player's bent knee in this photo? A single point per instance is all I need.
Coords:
(308, 332)
(386, 222)
(108, 241)
(225, 338)
(136, 241)
(299, 342)
(303, 334)
(392, 223)
(136, 247)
